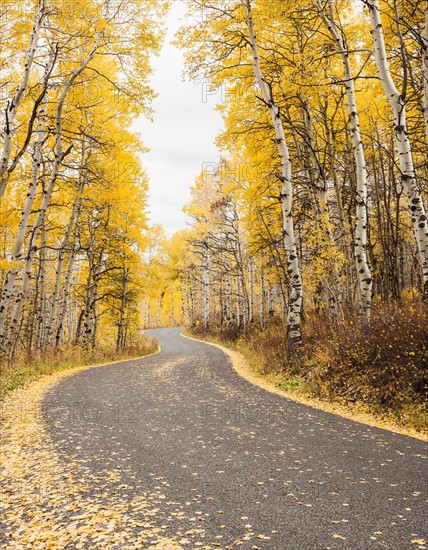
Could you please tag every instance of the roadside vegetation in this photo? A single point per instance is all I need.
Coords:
(380, 369)
(307, 244)
(28, 367)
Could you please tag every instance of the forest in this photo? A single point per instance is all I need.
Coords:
(307, 246)
(73, 77)
(231, 350)
(307, 241)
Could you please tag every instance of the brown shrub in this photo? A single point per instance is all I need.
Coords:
(383, 364)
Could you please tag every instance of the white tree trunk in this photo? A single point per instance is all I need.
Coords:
(146, 313)
(238, 301)
(56, 302)
(425, 70)
(398, 106)
(171, 292)
(251, 296)
(262, 298)
(68, 279)
(188, 309)
(318, 182)
(271, 300)
(363, 270)
(74, 219)
(183, 299)
(228, 299)
(23, 224)
(12, 107)
(41, 306)
(90, 299)
(60, 154)
(296, 286)
(121, 323)
(205, 285)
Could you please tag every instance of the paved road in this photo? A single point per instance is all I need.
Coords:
(233, 465)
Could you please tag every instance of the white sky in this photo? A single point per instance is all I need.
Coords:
(182, 136)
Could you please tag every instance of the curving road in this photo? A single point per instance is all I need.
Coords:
(228, 464)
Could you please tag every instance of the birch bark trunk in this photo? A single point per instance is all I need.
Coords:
(397, 102)
(68, 279)
(16, 255)
(188, 308)
(262, 299)
(271, 300)
(121, 324)
(88, 312)
(183, 299)
(205, 285)
(56, 302)
(171, 292)
(41, 304)
(238, 301)
(332, 286)
(347, 289)
(296, 286)
(251, 296)
(60, 154)
(228, 300)
(425, 70)
(360, 248)
(12, 107)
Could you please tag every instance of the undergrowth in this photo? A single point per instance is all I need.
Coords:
(383, 365)
(31, 365)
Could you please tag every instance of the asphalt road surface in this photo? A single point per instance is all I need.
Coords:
(228, 464)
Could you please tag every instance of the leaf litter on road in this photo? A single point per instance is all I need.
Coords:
(46, 503)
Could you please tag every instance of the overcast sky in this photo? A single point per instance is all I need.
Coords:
(181, 138)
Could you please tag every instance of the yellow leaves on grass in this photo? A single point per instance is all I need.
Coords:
(47, 504)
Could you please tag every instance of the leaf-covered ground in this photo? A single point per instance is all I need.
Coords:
(200, 459)
(45, 503)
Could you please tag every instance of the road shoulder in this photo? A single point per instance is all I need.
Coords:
(45, 503)
(269, 384)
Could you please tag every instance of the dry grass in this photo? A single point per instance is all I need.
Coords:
(28, 367)
(301, 393)
(49, 503)
(381, 368)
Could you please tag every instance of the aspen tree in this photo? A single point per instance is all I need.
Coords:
(397, 102)
(310, 163)
(296, 296)
(52, 328)
(425, 70)
(262, 298)
(121, 323)
(361, 257)
(23, 224)
(14, 104)
(41, 298)
(65, 298)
